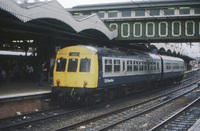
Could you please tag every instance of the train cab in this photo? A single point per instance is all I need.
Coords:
(75, 67)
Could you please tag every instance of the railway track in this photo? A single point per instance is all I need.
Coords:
(182, 119)
(24, 121)
(35, 120)
(108, 120)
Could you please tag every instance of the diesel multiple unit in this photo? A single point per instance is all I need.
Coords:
(81, 71)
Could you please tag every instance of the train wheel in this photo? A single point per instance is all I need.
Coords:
(89, 101)
(62, 99)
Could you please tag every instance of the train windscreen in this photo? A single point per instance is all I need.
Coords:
(85, 65)
(72, 66)
(61, 64)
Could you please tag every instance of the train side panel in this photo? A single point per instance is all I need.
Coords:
(121, 71)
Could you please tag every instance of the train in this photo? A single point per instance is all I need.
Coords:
(89, 72)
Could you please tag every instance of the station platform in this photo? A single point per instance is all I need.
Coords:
(22, 89)
(196, 126)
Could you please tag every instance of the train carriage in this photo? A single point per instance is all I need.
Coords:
(82, 70)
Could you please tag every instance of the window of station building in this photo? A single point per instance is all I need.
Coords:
(126, 13)
(112, 13)
(154, 12)
(129, 66)
(184, 10)
(72, 66)
(116, 65)
(108, 65)
(87, 13)
(196, 10)
(140, 13)
(85, 65)
(76, 14)
(169, 11)
(101, 14)
(61, 64)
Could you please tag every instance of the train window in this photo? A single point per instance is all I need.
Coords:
(158, 66)
(116, 65)
(140, 66)
(85, 65)
(145, 65)
(129, 66)
(72, 66)
(154, 65)
(108, 65)
(61, 64)
(136, 66)
(151, 65)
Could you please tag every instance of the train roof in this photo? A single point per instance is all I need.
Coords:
(128, 53)
(166, 58)
(121, 52)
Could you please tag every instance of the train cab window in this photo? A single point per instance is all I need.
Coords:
(61, 64)
(85, 65)
(116, 65)
(72, 66)
(129, 66)
(108, 65)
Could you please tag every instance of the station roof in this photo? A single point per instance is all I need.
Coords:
(49, 15)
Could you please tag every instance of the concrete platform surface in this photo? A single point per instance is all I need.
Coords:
(24, 88)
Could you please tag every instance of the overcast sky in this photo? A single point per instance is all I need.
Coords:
(71, 3)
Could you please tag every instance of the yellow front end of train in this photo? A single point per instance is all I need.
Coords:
(76, 67)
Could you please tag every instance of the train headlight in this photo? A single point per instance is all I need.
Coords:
(58, 82)
(85, 83)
